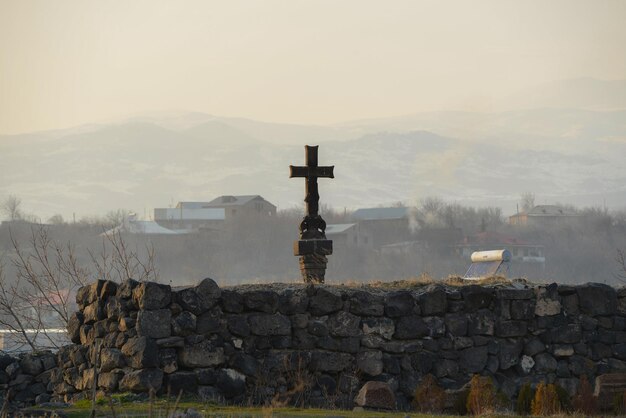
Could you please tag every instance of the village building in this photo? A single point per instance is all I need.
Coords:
(131, 225)
(349, 236)
(242, 206)
(544, 215)
(190, 216)
(386, 225)
(214, 214)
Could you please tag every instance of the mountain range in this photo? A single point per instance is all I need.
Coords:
(565, 154)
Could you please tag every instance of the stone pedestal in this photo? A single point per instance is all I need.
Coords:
(313, 258)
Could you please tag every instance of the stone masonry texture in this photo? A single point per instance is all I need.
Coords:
(255, 343)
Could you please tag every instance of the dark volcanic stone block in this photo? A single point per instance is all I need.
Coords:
(344, 324)
(184, 324)
(433, 303)
(73, 327)
(154, 324)
(318, 328)
(125, 289)
(377, 395)
(111, 358)
(168, 360)
(142, 380)
(544, 362)
(202, 354)
(423, 361)
(370, 362)
(399, 303)
(209, 322)
(182, 381)
(510, 354)
(150, 295)
(328, 361)
(456, 323)
(436, 326)
(238, 325)
(200, 298)
(232, 301)
(411, 327)
(522, 309)
(481, 323)
(366, 304)
(269, 324)
(293, 301)
(511, 328)
(302, 340)
(261, 300)
(141, 352)
(324, 302)
(597, 299)
(206, 376)
(567, 334)
(244, 363)
(345, 345)
(474, 359)
(231, 383)
(515, 294)
(477, 297)
(385, 327)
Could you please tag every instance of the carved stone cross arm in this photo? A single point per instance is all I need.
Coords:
(313, 247)
(311, 172)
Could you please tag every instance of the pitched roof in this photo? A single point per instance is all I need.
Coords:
(493, 238)
(337, 228)
(233, 200)
(131, 226)
(367, 214)
(191, 205)
(207, 214)
(551, 210)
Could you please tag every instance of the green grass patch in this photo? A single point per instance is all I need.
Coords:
(123, 407)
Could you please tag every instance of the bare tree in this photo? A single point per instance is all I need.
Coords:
(40, 298)
(11, 207)
(115, 217)
(56, 219)
(527, 201)
(117, 261)
(621, 265)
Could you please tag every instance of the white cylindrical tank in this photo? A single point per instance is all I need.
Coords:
(492, 255)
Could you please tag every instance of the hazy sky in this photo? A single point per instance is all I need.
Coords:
(65, 63)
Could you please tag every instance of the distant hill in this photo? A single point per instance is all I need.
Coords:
(567, 155)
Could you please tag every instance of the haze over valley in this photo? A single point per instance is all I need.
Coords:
(566, 155)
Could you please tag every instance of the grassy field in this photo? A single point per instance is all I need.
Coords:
(165, 409)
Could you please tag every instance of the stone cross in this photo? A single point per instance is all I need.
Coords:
(312, 247)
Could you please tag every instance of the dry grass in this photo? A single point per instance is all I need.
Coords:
(458, 281)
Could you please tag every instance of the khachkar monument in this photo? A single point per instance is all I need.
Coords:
(312, 247)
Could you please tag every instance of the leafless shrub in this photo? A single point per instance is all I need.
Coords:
(117, 261)
(41, 295)
(621, 266)
(36, 304)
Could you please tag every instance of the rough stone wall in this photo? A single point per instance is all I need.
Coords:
(317, 345)
(26, 379)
